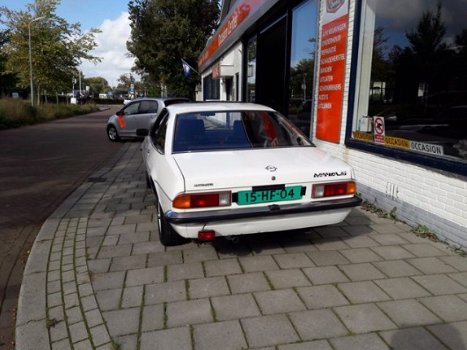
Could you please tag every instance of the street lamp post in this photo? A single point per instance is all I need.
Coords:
(30, 57)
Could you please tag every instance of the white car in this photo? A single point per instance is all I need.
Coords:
(225, 169)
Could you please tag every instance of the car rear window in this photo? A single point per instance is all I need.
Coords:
(206, 131)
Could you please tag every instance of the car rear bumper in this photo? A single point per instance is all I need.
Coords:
(259, 212)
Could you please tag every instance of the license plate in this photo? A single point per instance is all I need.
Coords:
(264, 196)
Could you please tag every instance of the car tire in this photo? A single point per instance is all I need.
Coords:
(148, 181)
(112, 133)
(167, 234)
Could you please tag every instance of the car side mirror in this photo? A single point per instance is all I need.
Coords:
(142, 132)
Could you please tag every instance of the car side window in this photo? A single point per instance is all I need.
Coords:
(131, 109)
(148, 107)
(159, 132)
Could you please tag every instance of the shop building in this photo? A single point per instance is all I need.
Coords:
(381, 84)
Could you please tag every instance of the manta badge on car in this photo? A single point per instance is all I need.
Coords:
(335, 173)
(271, 168)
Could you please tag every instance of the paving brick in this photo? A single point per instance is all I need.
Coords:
(287, 278)
(100, 336)
(439, 284)
(361, 241)
(127, 342)
(322, 296)
(450, 308)
(408, 313)
(325, 275)
(362, 292)
(278, 301)
(460, 277)
(164, 258)
(109, 299)
(83, 345)
(128, 263)
(208, 287)
(331, 231)
(316, 324)
(165, 292)
(269, 330)
(323, 258)
(359, 342)
(402, 288)
(74, 315)
(431, 265)
(424, 250)
(137, 237)
(111, 252)
(93, 318)
(453, 335)
(458, 262)
(58, 331)
(132, 296)
(175, 338)
(396, 268)
(386, 227)
(78, 332)
(392, 252)
(234, 307)
(258, 263)
(203, 253)
(62, 345)
(153, 318)
(149, 275)
(122, 322)
(108, 280)
(147, 248)
(293, 260)
(248, 282)
(184, 271)
(220, 335)
(120, 229)
(389, 239)
(137, 219)
(309, 345)
(361, 272)
(364, 318)
(222, 267)
(360, 255)
(329, 244)
(411, 338)
(189, 312)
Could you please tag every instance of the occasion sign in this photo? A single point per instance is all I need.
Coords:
(332, 70)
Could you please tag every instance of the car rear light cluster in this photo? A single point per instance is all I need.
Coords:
(334, 189)
(203, 200)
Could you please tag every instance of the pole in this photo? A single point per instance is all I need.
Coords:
(30, 57)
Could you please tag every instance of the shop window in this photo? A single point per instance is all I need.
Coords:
(211, 88)
(302, 64)
(251, 71)
(411, 87)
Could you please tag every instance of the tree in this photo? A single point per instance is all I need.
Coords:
(7, 81)
(165, 31)
(57, 46)
(97, 85)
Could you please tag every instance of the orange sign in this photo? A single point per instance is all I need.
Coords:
(242, 11)
(331, 74)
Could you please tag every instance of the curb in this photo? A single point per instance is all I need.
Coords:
(33, 323)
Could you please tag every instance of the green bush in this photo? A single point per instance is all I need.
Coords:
(15, 112)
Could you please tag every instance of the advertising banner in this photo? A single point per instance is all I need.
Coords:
(331, 73)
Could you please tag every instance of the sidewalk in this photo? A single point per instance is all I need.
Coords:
(98, 278)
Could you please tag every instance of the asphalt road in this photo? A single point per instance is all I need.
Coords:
(40, 166)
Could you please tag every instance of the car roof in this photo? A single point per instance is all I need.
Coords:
(159, 99)
(216, 106)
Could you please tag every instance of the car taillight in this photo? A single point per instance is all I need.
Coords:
(334, 189)
(202, 200)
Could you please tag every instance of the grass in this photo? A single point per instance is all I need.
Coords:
(15, 112)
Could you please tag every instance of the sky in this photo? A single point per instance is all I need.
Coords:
(111, 17)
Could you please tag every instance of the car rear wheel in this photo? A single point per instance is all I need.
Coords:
(112, 134)
(167, 234)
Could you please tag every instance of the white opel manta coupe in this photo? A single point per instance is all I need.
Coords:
(225, 169)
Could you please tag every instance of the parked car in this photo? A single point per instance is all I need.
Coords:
(137, 114)
(224, 169)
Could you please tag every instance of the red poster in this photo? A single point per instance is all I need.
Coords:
(331, 74)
